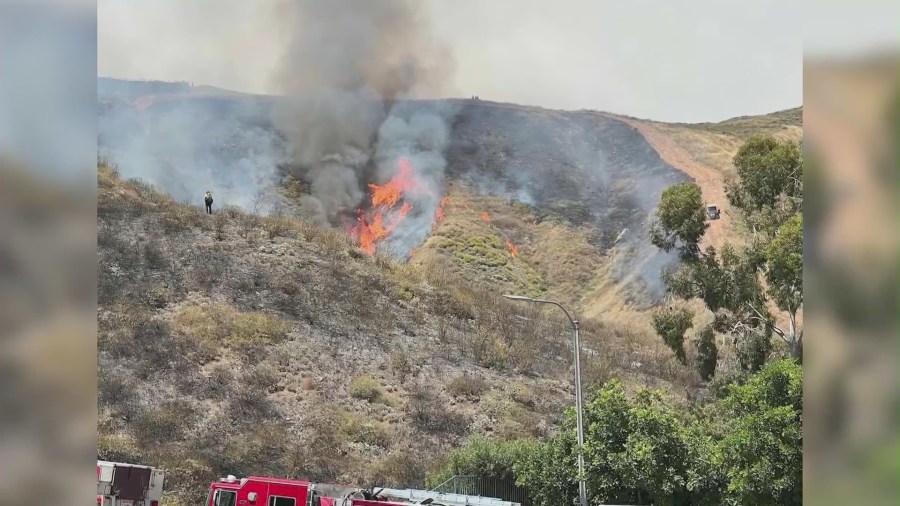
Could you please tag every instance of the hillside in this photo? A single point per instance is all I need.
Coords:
(263, 339)
(704, 151)
(590, 177)
(236, 343)
(549, 174)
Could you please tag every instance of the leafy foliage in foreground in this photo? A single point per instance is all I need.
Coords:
(739, 287)
(743, 448)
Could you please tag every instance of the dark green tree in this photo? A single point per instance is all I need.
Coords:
(754, 347)
(549, 473)
(771, 182)
(729, 284)
(680, 220)
(762, 449)
(744, 448)
(770, 194)
(671, 324)
(707, 353)
(784, 275)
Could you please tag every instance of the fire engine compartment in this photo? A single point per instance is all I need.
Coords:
(128, 484)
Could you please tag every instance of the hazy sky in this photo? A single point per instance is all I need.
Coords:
(685, 60)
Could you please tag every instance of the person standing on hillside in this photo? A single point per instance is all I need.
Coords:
(208, 199)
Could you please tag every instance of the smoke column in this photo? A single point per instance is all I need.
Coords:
(348, 69)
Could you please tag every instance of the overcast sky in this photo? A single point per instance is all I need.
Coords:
(686, 60)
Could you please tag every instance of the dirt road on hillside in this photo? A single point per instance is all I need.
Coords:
(711, 181)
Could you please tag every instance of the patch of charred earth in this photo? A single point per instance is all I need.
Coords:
(584, 169)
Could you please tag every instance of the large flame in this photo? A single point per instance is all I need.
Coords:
(387, 211)
(390, 207)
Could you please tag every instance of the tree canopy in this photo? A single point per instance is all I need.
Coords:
(739, 286)
(770, 190)
(784, 264)
(744, 448)
(680, 219)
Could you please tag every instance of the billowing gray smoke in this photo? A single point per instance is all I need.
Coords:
(348, 68)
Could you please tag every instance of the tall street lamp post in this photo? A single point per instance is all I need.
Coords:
(582, 485)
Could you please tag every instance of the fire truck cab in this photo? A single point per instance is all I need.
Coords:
(263, 491)
(121, 484)
(258, 491)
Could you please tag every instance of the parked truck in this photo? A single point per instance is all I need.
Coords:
(263, 491)
(121, 484)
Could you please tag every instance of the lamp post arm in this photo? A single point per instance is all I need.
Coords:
(557, 304)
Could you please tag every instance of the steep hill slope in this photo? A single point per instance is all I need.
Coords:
(704, 151)
(594, 176)
(254, 341)
(235, 343)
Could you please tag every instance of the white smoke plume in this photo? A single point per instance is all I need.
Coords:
(187, 147)
(420, 134)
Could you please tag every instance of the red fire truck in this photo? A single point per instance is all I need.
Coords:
(262, 491)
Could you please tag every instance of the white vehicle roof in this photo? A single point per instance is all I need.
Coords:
(121, 464)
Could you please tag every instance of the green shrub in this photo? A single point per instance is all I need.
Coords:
(365, 388)
(707, 353)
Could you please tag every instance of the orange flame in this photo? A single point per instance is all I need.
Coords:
(389, 194)
(513, 249)
(384, 216)
(439, 214)
(486, 217)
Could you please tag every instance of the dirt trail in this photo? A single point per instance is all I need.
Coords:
(712, 184)
(711, 181)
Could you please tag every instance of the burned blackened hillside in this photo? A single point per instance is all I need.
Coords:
(188, 144)
(583, 169)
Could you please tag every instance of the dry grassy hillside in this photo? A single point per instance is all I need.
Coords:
(241, 344)
(704, 151)
(715, 144)
(238, 343)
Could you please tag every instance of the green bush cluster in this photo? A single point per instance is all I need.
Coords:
(743, 448)
(365, 388)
